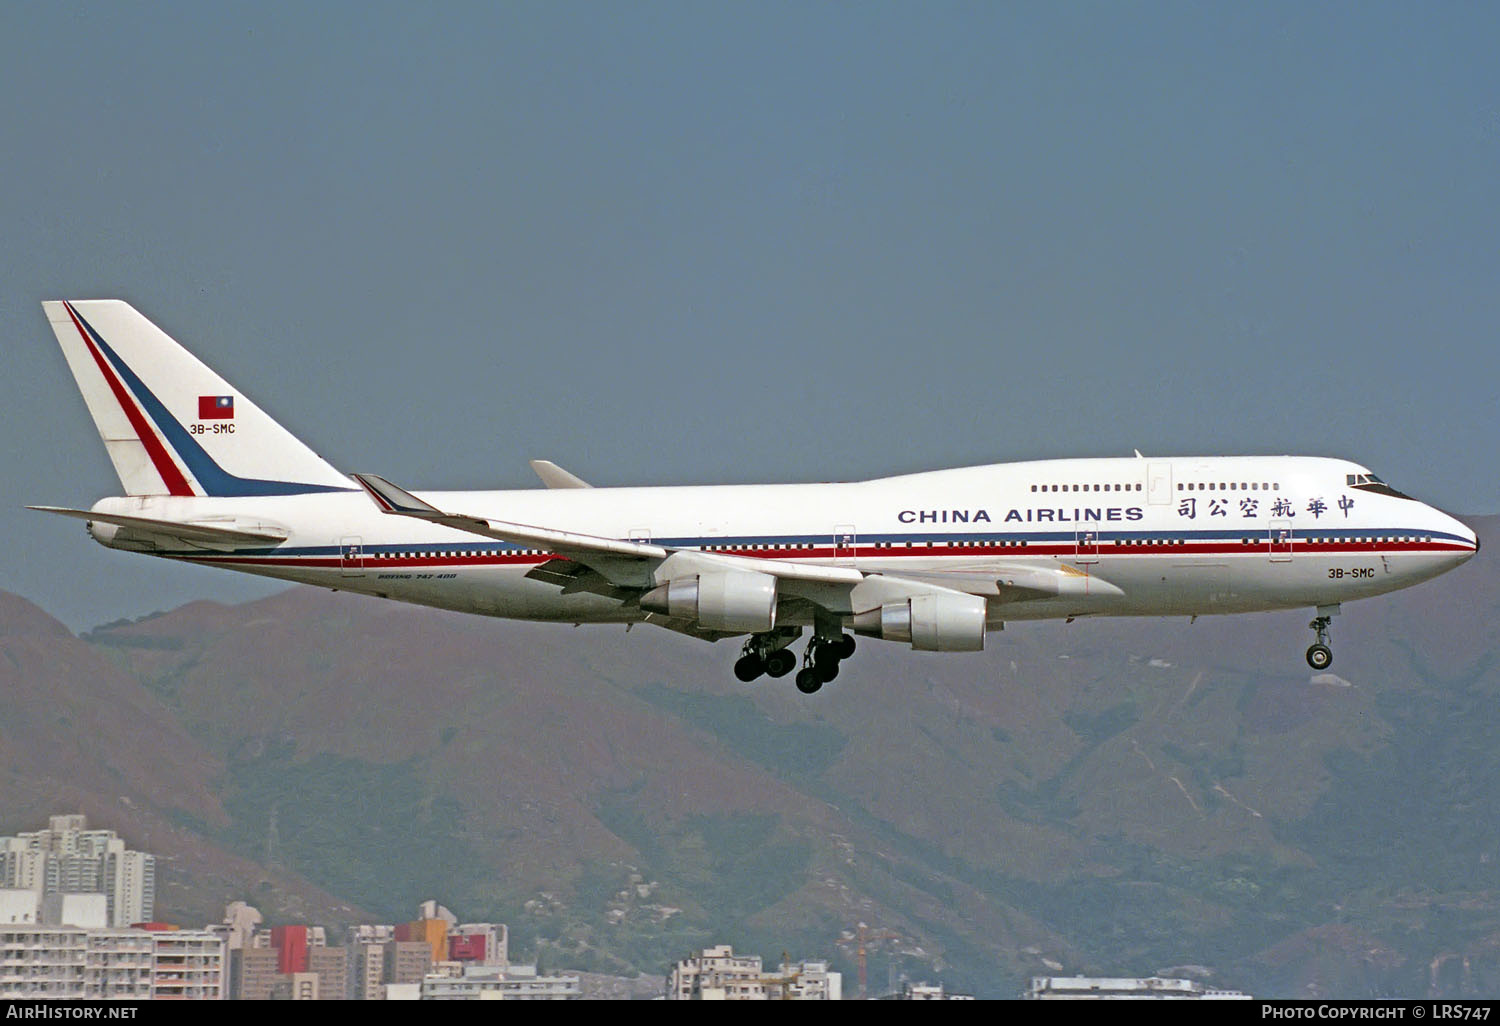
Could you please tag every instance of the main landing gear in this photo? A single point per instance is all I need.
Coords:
(1319, 654)
(820, 664)
(768, 654)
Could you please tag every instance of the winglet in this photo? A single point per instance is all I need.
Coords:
(554, 476)
(395, 500)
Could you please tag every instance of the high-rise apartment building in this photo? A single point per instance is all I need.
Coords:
(69, 858)
(70, 963)
(331, 967)
(718, 974)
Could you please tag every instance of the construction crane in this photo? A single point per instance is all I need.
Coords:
(783, 982)
(862, 938)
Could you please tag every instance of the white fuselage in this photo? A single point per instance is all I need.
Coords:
(1162, 536)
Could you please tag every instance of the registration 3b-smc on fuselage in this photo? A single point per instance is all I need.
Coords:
(932, 560)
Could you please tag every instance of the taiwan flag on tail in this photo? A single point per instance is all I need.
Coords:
(216, 407)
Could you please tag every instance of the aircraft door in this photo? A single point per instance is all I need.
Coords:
(1279, 541)
(844, 539)
(1087, 540)
(1159, 484)
(352, 556)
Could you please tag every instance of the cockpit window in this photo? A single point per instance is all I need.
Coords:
(1371, 483)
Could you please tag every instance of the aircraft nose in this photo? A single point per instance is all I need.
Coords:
(1465, 531)
(1460, 532)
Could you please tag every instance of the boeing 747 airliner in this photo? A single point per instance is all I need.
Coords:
(932, 560)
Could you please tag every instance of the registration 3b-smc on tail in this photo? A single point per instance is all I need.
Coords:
(931, 560)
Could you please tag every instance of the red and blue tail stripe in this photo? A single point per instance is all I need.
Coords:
(163, 435)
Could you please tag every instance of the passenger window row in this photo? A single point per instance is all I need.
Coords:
(1228, 486)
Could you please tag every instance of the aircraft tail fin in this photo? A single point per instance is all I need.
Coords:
(172, 425)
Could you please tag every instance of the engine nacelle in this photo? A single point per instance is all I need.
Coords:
(739, 601)
(930, 623)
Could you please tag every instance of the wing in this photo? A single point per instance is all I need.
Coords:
(625, 569)
(624, 563)
(1003, 583)
(554, 476)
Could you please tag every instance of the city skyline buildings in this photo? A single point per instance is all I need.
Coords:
(68, 858)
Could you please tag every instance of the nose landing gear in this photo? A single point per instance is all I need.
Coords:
(1319, 654)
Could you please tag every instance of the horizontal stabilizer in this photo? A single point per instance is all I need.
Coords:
(193, 533)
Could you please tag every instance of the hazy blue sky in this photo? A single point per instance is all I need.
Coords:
(714, 242)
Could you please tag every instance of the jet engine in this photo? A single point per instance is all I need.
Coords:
(738, 601)
(931, 623)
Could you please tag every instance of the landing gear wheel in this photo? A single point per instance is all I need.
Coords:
(766, 652)
(808, 681)
(844, 646)
(780, 663)
(749, 667)
(823, 658)
(1320, 656)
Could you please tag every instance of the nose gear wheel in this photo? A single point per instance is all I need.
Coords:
(1319, 654)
